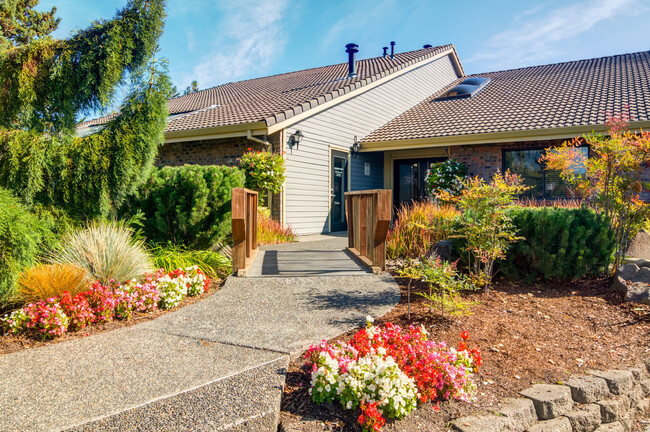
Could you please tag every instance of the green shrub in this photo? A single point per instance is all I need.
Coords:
(559, 244)
(188, 205)
(171, 257)
(107, 250)
(21, 234)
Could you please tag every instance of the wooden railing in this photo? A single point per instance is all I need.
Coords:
(244, 230)
(368, 214)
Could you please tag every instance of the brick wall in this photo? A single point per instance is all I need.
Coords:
(483, 160)
(225, 151)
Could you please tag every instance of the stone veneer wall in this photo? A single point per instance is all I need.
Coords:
(597, 402)
(225, 151)
(484, 159)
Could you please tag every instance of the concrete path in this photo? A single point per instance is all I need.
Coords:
(219, 364)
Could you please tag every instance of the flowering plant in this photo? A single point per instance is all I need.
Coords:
(77, 309)
(46, 318)
(446, 177)
(387, 371)
(264, 170)
(178, 283)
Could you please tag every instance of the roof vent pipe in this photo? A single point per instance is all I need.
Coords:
(351, 49)
(427, 46)
(385, 51)
(392, 49)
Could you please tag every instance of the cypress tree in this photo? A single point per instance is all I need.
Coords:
(46, 83)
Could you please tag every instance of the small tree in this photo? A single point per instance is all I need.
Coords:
(610, 180)
(485, 223)
(265, 171)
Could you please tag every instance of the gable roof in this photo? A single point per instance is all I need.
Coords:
(538, 98)
(276, 98)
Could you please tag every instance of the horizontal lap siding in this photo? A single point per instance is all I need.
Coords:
(308, 168)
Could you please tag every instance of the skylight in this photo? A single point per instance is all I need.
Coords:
(466, 89)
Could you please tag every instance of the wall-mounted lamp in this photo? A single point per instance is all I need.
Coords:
(356, 147)
(294, 139)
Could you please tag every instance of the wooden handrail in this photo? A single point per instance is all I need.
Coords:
(368, 214)
(244, 229)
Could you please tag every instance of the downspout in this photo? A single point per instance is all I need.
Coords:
(249, 135)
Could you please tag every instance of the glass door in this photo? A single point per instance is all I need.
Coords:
(409, 179)
(339, 187)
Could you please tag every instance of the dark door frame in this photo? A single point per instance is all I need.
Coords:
(338, 225)
(423, 166)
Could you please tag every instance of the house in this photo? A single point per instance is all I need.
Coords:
(381, 122)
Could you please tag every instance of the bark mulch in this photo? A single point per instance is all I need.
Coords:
(528, 334)
(10, 343)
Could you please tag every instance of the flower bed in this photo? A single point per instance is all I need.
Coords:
(103, 303)
(386, 372)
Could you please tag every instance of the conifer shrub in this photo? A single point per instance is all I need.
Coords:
(21, 234)
(558, 244)
(188, 205)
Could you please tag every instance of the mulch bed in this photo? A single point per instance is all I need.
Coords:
(540, 333)
(9, 343)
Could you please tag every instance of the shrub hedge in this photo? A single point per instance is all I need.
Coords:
(21, 236)
(188, 205)
(559, 243)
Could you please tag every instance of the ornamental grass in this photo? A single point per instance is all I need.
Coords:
(417, 227)
(170, 257)
(107, 250)
(51, 280)
(270, 231)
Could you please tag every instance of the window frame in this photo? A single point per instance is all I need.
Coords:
(543, 152)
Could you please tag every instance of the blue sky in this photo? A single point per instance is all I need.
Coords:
(218, 41)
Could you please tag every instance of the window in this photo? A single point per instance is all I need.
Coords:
(545, 184)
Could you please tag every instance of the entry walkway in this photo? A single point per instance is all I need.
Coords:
(218, 364)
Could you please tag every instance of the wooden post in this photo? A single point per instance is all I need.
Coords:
(369, 215)
(244, 229)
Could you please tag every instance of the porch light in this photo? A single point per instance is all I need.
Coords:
(294, 139)
(356, 147)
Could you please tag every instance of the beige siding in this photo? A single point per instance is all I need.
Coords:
(308, 168)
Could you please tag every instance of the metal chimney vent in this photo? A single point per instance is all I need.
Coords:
(385, 54)
(352, 49)
(392, 49)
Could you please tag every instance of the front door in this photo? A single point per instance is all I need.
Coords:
(409, 181)
(339, 187)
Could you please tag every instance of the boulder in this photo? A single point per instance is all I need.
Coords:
(639, 247)
(614, 409)
(482, 423)
(611, 427)
(588, 389)
(618, 381)
(520, 412)
(560, 424)
(634, 282)
(585, 418)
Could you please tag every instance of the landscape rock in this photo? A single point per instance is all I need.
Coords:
(639, 246)
(482, 423)
(645, 387)
(588, 389)
(550, 401)
(638, 372)
(611, 427)
(634, 282)
(614, 409)
(520, 412)
(635, 395)
(643, 407)
(618, 381)
(560, 424)
(586, 418)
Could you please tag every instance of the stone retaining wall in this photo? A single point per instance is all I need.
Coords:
(596, 402)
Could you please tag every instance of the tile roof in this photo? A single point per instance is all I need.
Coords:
(575, 93)
(275, 98)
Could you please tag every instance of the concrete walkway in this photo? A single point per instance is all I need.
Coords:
(219, 364)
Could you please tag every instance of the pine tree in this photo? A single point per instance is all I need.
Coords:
(46, 83)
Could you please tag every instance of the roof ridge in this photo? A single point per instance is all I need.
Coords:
(560, 63)
(447, 46)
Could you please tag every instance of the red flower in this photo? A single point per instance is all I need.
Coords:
(464, 335)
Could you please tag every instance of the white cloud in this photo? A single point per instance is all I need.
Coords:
(248, 38)
(537, 37)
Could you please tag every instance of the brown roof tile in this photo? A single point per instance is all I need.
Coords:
(275, 98)
(574, 93)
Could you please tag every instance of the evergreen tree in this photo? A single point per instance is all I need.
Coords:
(192, 88)
(21, 24)
(44, 85)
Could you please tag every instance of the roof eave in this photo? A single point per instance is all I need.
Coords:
(492, 138)
(227, 131)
